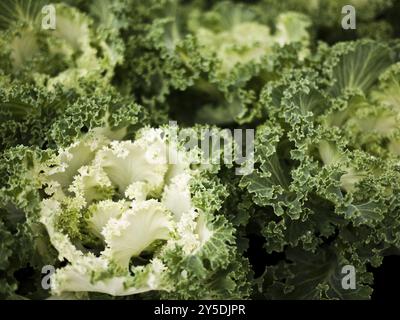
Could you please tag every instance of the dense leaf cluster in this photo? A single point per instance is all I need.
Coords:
(85, 109)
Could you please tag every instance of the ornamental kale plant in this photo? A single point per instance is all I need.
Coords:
(168, 149)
